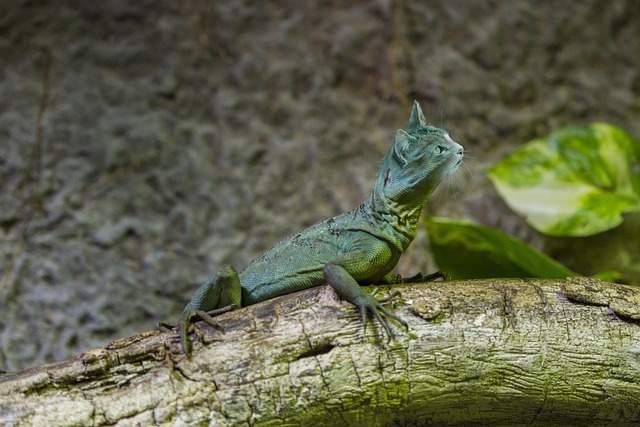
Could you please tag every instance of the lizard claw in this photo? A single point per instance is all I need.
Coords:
(419, 278)
(189, 317)
(164, 325)
(373, 307)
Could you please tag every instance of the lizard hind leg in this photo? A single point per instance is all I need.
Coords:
(221, 293)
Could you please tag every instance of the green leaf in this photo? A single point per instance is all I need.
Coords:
(468, 251)
(575, 182)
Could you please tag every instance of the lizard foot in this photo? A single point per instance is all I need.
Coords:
(397, 279)
(419, 278)
(164, 325)
(371, 306)
(189, 317)
(435, 276)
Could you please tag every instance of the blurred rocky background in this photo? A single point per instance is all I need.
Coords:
(144, 143)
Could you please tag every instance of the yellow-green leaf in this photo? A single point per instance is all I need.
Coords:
(575, 182)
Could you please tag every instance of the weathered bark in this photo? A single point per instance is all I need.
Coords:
(493, 352)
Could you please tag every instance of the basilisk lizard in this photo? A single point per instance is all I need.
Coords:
(356, 248)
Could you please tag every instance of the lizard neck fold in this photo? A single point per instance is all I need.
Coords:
(399, 222)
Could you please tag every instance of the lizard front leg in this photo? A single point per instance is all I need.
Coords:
(349, 289)
(221, 293)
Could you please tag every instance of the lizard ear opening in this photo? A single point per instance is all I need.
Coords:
(401, 145)
(417, 117)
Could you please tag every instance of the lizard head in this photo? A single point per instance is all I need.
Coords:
(421, 156)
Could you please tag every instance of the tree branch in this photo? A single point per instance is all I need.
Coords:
(492, 352)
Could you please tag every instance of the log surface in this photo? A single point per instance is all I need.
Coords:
(491, 352)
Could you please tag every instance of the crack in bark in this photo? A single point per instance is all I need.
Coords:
(322, 348)
(508, 312)
(610, 313)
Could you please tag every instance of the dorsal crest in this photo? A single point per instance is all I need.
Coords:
(417, 119)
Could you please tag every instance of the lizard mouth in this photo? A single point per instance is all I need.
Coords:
(457, 161)
(459, 155)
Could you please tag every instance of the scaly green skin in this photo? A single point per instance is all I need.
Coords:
(356, 248)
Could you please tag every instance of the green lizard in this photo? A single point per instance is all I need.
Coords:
(356, 248)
